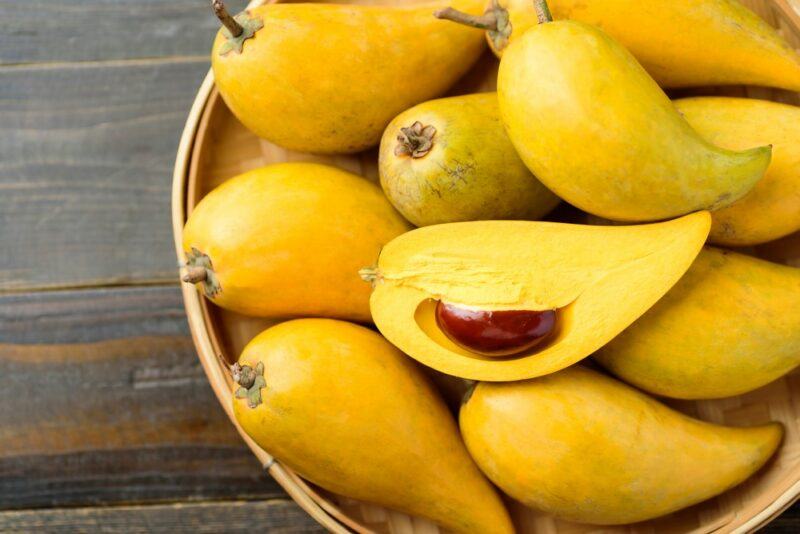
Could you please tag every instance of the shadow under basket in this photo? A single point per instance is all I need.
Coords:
(215, 147)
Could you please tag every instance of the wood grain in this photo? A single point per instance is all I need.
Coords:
(84, 171)
(103, 401)
(91, 30)
(275, 517)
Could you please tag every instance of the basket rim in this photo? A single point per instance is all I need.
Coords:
(326, 513)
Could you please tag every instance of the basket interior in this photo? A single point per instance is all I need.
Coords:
(224, 148)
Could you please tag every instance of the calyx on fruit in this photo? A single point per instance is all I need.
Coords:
(587, 448)
(236, 29)
(600, 279)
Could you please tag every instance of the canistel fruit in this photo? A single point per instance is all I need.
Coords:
(287, 240)
(327, 78)
(587, 448)
(729, 326)
(346, 410)
(772, 208)
(599, 132)
(495, 333)
(579, 271)
(680, 43)
(450, 160)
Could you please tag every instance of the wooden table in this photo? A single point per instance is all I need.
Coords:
(106, 420)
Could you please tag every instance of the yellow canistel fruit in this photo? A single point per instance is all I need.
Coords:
(772, 209)
(597, 279)
(347, 411)
(680, 42)
(595, 128)
(586, 448)
(287, 240)
(729, 326)
(450, 160)
(328, 78)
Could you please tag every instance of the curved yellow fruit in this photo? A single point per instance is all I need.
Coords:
(329, 78)
(680, 42)
(450, 160)
(730, 325)
(772, 209)
(586, 448)
(349, 412)
(599, 132)
(600, 278)
(288, 240)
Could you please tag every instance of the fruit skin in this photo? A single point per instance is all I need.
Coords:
(682, 43)
(587, 448)
(288, 240)
(729, 326)
(593, 126)
(772, 209)
(600, 279)
(349, 412)
(472, 171)
(329, 78)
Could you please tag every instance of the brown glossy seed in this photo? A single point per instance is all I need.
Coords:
(495, 333)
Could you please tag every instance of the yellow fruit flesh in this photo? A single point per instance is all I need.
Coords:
(599, 132)
(682, 42)
(471, 172)
(288, 240)
(587, 448)
(730, 325)
(329, 78)
(350, 413)
(600, 278)
(772, 209)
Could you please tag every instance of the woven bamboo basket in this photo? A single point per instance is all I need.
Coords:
(215, 147)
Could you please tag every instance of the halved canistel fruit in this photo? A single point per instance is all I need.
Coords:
(509, 300)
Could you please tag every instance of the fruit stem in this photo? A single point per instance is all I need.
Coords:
(245, 376)
(487, 21)
(542, 11)
(195, 274)
(226, 19)
(369, 274)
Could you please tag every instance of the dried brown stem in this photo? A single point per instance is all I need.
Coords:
(226, 19)
(487, 21)
(542, 11)
(195, 274)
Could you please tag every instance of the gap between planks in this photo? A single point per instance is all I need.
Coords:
(143, 61)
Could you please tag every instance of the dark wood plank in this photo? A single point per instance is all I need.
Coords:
(274, 517)
(103, 400)
(86, 30)
(787, 523)
(85, 171)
